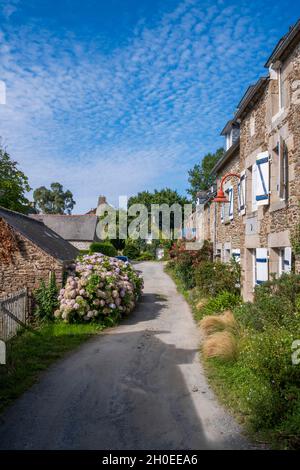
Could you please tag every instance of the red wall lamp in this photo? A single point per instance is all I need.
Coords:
(220, 197)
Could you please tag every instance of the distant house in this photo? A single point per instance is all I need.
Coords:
(29, 252)
(79, 230)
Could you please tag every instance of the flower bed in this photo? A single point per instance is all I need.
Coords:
(102, 289)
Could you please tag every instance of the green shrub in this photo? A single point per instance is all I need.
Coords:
(106, 248)
(223, 301)
(185, 271)
(46, 299)
(215, 277)
(276, 303)
(131, 250)
(268, 354)
(146, 256)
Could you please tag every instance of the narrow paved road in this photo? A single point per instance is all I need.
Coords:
(138, 386)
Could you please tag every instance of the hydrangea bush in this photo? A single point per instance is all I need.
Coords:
(101, 288)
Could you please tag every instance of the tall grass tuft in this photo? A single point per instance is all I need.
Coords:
(222, 345)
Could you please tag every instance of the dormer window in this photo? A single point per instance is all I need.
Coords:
(228, 138)
(231, 132)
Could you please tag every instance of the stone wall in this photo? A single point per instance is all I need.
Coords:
(27, 267)
(270, 225)
(80, 245)
(228, 234)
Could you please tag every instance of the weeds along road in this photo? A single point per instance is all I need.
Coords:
(137, 386)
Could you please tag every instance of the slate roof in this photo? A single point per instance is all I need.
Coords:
(227, 155)
(39, 234)
(285, 44)
(251, 96)
(71, 227)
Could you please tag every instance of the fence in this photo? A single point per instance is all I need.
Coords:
(13, 314)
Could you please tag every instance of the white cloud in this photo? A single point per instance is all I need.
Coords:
(115, 124)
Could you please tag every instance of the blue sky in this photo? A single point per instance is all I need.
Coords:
(117, 96)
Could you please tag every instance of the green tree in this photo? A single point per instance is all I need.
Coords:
(164, 196)
(13, 184)
(200, 177)
(54, 200)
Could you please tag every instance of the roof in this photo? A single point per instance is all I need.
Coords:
(227, 155)
(285, 44)
(42, 236)
(228, 126)
(251, 96)
(71, 227)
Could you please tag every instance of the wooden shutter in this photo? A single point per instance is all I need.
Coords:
(242, 194)
(230, 194)
(262, 265)
(287, 260)
(262, 179)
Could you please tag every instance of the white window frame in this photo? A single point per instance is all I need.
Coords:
(229, 137)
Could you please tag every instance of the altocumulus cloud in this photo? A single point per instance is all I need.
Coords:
(136, 117)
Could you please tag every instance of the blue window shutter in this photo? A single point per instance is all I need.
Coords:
(262, 179)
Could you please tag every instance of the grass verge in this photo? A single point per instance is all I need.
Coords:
(32, 351)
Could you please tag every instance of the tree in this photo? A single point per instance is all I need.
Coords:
(200, 177)
(13, 184)
(164, 196)
(54, 200)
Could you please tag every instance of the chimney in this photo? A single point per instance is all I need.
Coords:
(101, 200)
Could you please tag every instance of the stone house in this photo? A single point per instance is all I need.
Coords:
(264, 203)
(227, 242)
(269, 118)
(29, 252)
(79, 230)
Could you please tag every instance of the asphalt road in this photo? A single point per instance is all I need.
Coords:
(137, 386)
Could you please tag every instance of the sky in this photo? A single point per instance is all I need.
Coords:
(114, 97)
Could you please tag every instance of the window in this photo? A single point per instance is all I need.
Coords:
(228, 140)
(226, 254)
(254, 185)
(236, 254)
(283, 170)
(242, 194)
(227, 207)
(285, 260)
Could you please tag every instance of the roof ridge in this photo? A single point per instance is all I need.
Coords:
(20, 214)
